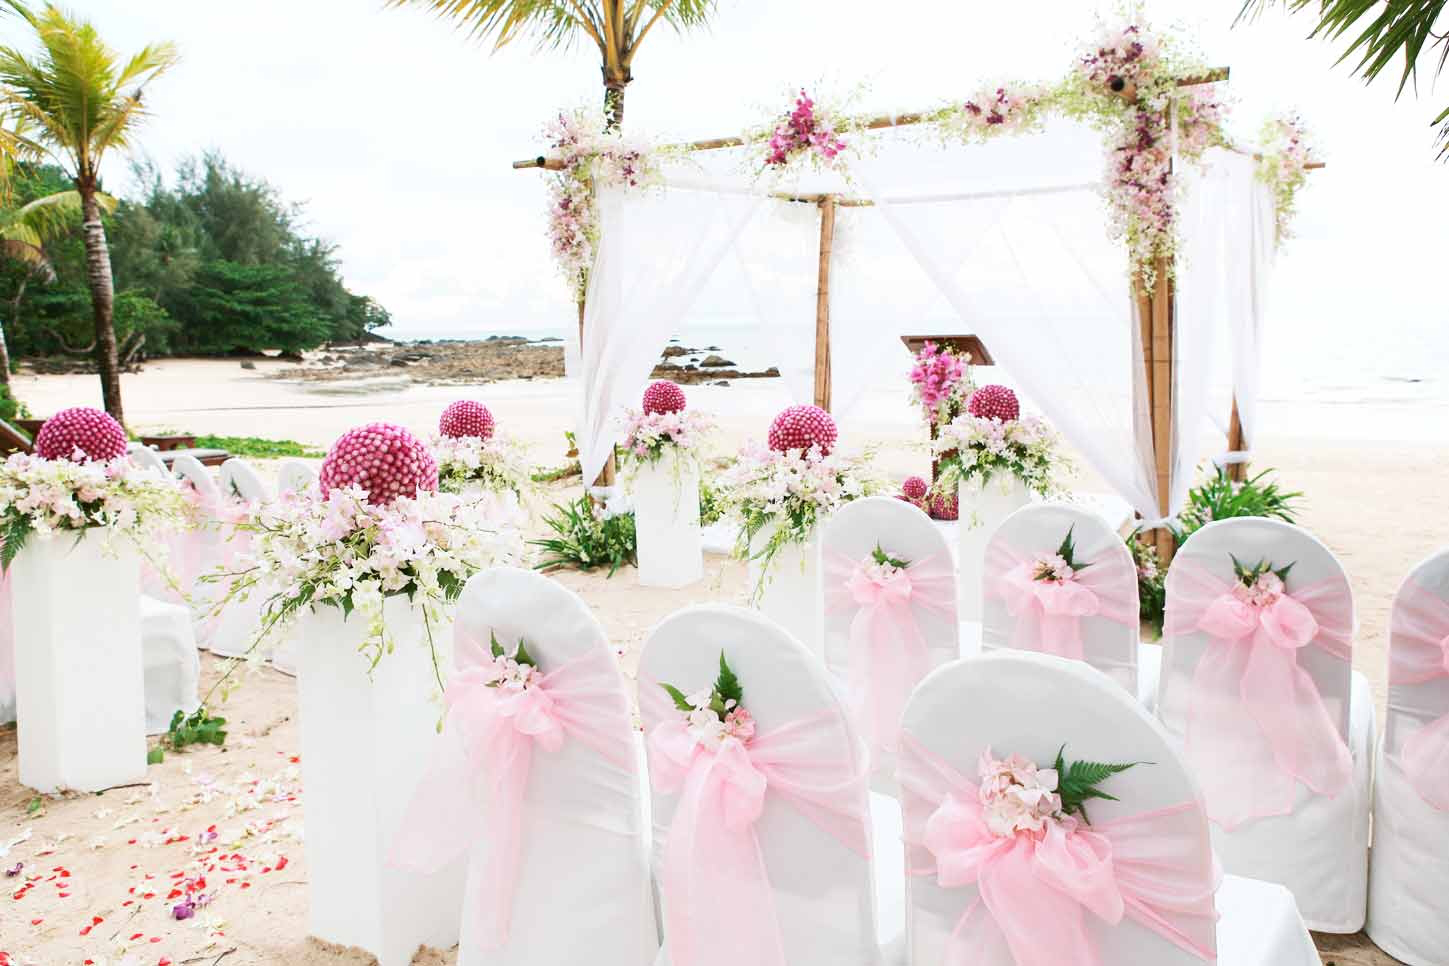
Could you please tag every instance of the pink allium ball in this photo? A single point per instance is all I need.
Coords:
(944, 506)
(466, 418)
(914, 488)
(664, 397)
(385, 460)
(994, 402)
(801, 427)
(91, 431)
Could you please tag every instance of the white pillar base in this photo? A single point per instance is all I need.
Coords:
(666, 523)
(792, 595)
(365, 744)
(982, 508)
(80, 689)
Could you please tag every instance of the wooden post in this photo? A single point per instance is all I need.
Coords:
(1162, 401)
(1236, 444)
(822, 304)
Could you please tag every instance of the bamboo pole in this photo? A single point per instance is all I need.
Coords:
(1236, 444)
(822, 304)
(1163, 404)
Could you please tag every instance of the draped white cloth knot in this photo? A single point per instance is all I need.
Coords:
(1257, 724)
(1418, 654)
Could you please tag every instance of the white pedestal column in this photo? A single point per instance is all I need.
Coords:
(666, 523)
(80, 691)
(792, 595)
(365, 744)
(982, 508)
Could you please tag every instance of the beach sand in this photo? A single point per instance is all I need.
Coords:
(1378, 503)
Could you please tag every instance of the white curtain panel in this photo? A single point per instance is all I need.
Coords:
(656, 251)
(1224, 265)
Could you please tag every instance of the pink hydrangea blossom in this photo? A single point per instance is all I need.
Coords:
(1016, 795)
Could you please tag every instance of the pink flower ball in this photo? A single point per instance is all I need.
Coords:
(82, 428)
(385, 460)
(994, 402)
(944, 506)
(466, 418)
(801, 427)
(914, 488)
(663, 397)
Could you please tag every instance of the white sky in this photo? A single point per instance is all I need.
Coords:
(397, 131)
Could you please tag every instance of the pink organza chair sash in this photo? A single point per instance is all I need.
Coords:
(1256, 722)
(476, 784)
(1038, 894)
(719, 907)
(1418, 654)
(1048, 614)
(888, 652)
(7, 641)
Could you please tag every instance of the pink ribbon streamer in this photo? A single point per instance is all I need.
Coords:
(1418, 654)
(1257, 724)
(1048, 614)
(7, 641)
(1038, 893)
(719, 907)
(888, 652)
(475, 785)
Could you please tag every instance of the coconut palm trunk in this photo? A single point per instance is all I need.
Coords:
(103, 301)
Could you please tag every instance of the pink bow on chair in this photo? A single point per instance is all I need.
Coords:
(1256, 721)
(480, 776)
(888, 654)
(1419, 653)
(1038, 892)
(719, 907)
(1048, 613)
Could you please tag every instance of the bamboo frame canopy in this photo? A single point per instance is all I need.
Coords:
(971, 345)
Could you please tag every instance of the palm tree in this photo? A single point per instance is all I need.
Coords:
(616, 27)
(1398, 27)
(83, 100)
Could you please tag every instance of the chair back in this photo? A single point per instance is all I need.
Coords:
(240, 480)
(190, 469)
(148, 459)
(295, 476)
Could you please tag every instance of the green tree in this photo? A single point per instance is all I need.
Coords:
(616, 27)
(1379, 33)
(248, 307)
(84, 100)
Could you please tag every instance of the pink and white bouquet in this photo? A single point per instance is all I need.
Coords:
(995, 110)
(984, 447)
(1018, 796)
(716, 714)
(40, 498)
(1283, 150)
(807, 131)
(1061, 566)
(1259, 585)
(941, 382)
(680, 435)
(497, 463)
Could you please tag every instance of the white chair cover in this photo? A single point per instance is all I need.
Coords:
(295, 477)
(1101, 618)
(241, 482)
(847, 541)
(821, 888)
(147, 458)
(1408, 913)
(172, 665)
(581, 890)
(1016, 702)
(1315, 844)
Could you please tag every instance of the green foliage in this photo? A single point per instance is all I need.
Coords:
(1399, 29)
(564, 472)
(1077, 783)
(257, 447)
(1151, 582)
(712, 506)
(521, 655)
(1248, 575)
(1220, 498)
(10, 407)
(197, 728)
(725, 695)
(886, 560)
(587, 538)
(15, 532)
(250, 307)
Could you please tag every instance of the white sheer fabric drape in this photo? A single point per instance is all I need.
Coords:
(656, 251)
(1225, 260)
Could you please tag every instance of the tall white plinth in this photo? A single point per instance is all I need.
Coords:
(79, 679)
(666, 524)
(365, 744)
(982, 508)
(793, 595)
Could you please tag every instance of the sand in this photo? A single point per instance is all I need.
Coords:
(1377, 502)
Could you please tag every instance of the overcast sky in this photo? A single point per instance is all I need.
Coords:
(397, 131)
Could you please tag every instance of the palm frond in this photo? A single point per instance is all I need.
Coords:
(555, 23)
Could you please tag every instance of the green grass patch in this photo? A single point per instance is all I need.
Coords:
(255, 447)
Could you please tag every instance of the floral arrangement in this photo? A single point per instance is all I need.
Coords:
(383, 460)
(972, 446)
(1016, 795)
(41, 497)
(788, 492)
(1261, 584)
(466, 417)
(665, 426)
(1151, 582)
(1283, 164)
(808, 132)
(1061, 566)
(801, 428)
(498, 463)
(993, 111)
(915, 490)
(595, 530)
(81, 432)
(940, 383)
(716, 714)
(591, 156)
(1220, 497)
(882, 566)
(514, 670)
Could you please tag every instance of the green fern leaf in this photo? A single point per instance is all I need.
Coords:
(727, 686)
(679, 700)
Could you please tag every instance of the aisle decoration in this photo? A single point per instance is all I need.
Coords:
(941, 383)
(81, 434)
(596, 530)
(809, 132)
(1283, 157)
(914, 490)
(664, 441)
(473, 456)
